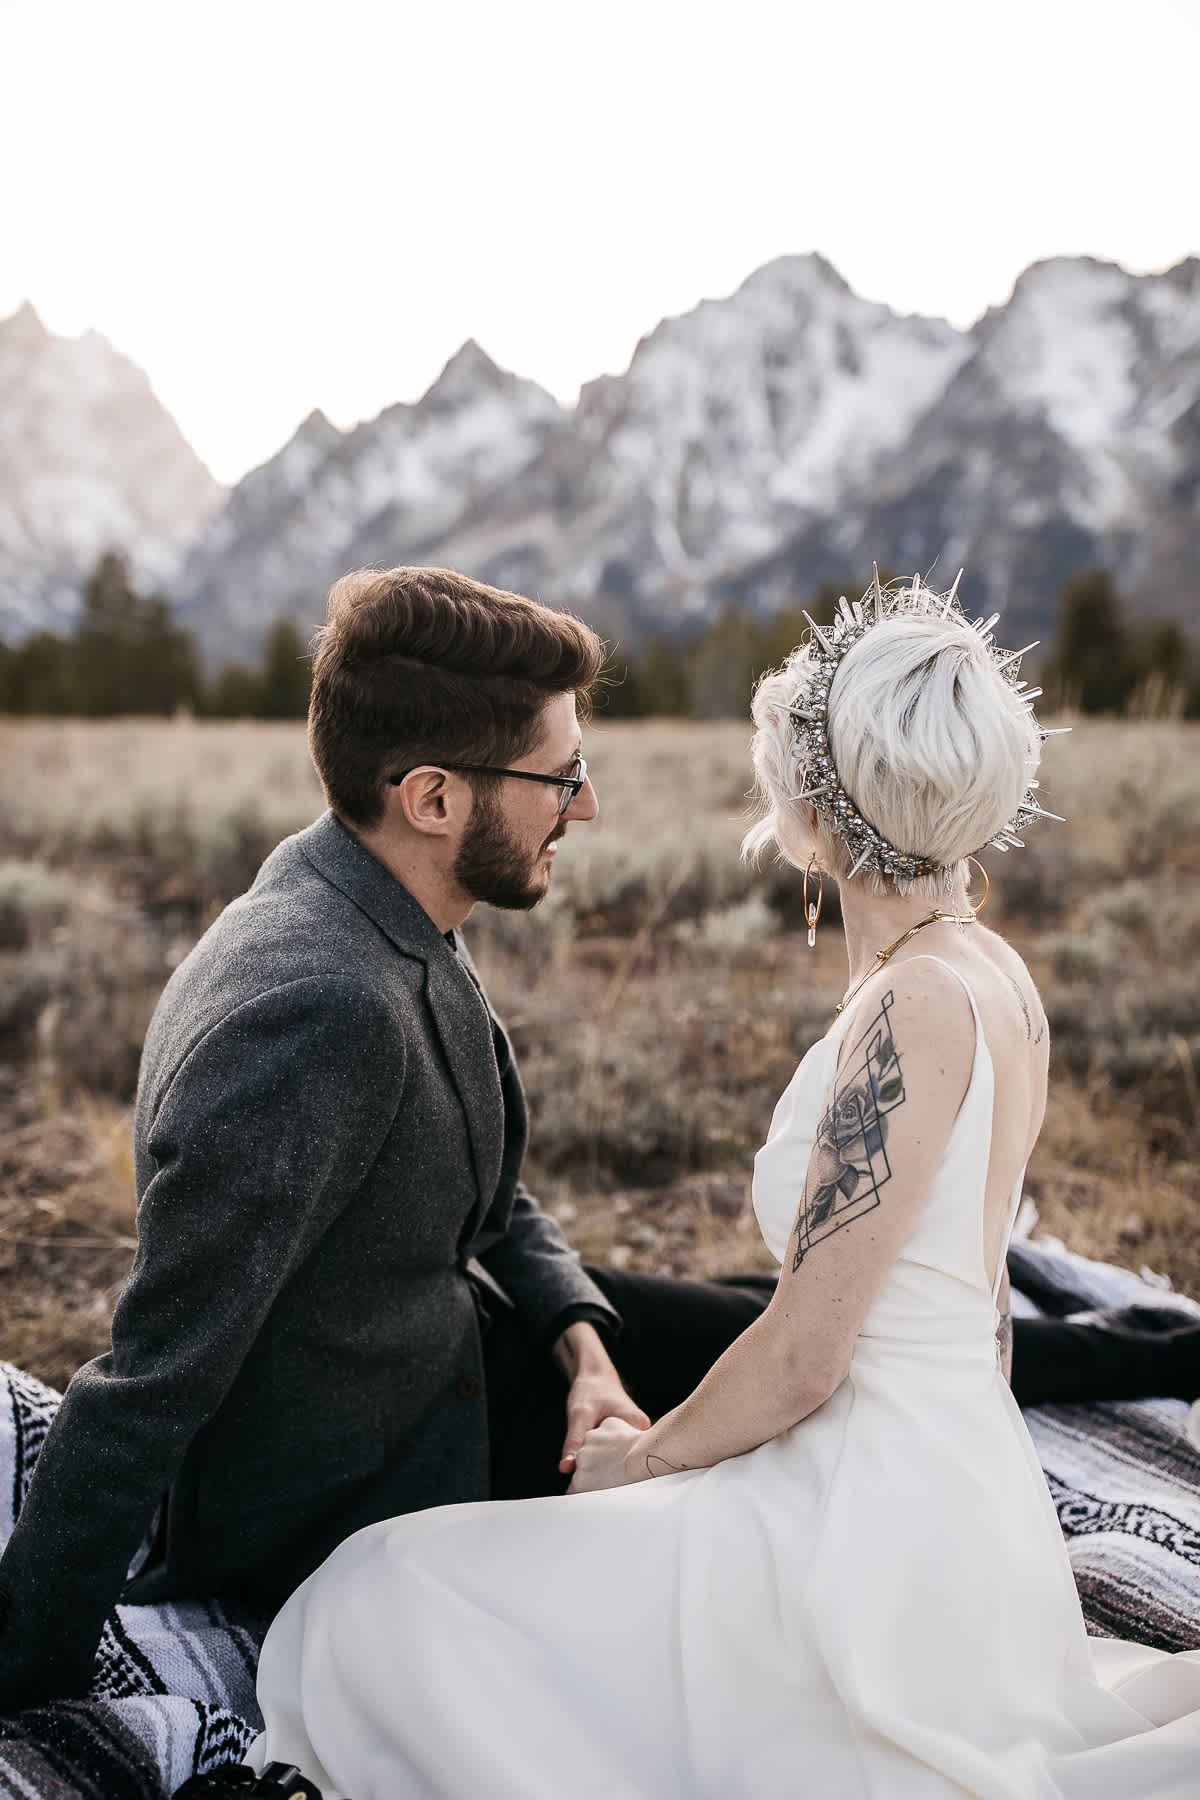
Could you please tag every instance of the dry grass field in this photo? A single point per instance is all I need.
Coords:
(659, 1000)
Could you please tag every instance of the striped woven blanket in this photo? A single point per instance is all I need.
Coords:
(174, 1686)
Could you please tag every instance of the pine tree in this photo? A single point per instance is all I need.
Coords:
(106, 638)
(1163, 663)
(618, 693)
(39, 676)
(166, 672)
(723, 664)
(1094, 667)
(130, 656)
(663, 686)
(286, 675)
(235, 694)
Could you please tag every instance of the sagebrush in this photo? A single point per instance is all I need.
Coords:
(659, 999)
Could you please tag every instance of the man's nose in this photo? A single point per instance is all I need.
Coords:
(585, 804)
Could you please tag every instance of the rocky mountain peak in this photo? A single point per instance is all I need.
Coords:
(317, 428)
(89, 461)
(23, 332)
(375, 495)
(470, 376)
(807, 273)
(757, 445)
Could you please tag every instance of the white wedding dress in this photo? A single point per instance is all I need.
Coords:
(875, 1604)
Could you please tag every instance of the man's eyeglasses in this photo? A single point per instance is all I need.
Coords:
(569, 785)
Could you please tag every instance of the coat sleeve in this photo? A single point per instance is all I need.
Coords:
(256, 1143)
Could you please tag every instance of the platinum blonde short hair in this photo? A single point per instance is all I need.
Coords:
(929, 736)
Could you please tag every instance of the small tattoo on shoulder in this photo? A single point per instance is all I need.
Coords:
(1020, 993)
(1031, 1036)
(849, 1161)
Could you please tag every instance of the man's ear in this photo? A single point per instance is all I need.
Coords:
(426, 800)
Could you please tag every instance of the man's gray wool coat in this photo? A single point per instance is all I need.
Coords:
(329, 1129)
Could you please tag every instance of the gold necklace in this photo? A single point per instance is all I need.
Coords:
(882, 955)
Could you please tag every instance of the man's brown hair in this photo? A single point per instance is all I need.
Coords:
(426, 666)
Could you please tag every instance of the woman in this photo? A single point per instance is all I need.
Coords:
(835, 1568)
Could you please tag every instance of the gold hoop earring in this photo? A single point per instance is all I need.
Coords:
(987, 887)
(812, 909)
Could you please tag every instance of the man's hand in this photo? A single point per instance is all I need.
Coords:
(595, 1391)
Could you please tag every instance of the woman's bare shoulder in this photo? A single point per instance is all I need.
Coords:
(1014, 980)
(921, 1000)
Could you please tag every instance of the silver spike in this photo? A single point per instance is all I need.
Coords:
(800, 712)
(866, 856)
(1054, 730)
(810, 793)
(1011, 656)
(1041, 813)
(983, 626)
(818, 633)
(876, 592)
(952, 596)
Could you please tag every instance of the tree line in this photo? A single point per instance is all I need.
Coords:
(1099, 662)
(128, 655)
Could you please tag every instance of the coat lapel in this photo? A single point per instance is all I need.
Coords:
(465, 1029)
(456, 1005)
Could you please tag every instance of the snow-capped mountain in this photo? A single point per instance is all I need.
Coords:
(1069, 437)
(787, 435)
(747, 419)
(89, 461)
(331, 501)
(733, 426)
(790, 434)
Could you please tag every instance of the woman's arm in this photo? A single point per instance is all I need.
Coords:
(903, 1073)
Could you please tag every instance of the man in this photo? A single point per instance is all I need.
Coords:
(344, 1304)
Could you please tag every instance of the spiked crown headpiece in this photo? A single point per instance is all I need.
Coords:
(809, 708)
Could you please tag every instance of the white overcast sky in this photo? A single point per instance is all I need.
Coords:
(272, 205)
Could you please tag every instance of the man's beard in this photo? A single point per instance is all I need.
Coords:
(491, 866)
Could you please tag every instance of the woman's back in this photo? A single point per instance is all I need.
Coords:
(1013, 1023)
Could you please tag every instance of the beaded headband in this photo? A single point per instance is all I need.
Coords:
(810, 709)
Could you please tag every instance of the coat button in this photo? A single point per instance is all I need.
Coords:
(467, 1386)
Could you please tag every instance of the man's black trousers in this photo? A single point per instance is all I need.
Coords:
(675, 1330)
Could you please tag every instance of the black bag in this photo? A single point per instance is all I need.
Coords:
(234, 1781)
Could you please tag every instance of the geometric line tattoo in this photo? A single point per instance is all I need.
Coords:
(849, 1160)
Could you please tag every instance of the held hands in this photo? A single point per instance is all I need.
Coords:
(593, 1403)
(595, 1395)
(601, 1461)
